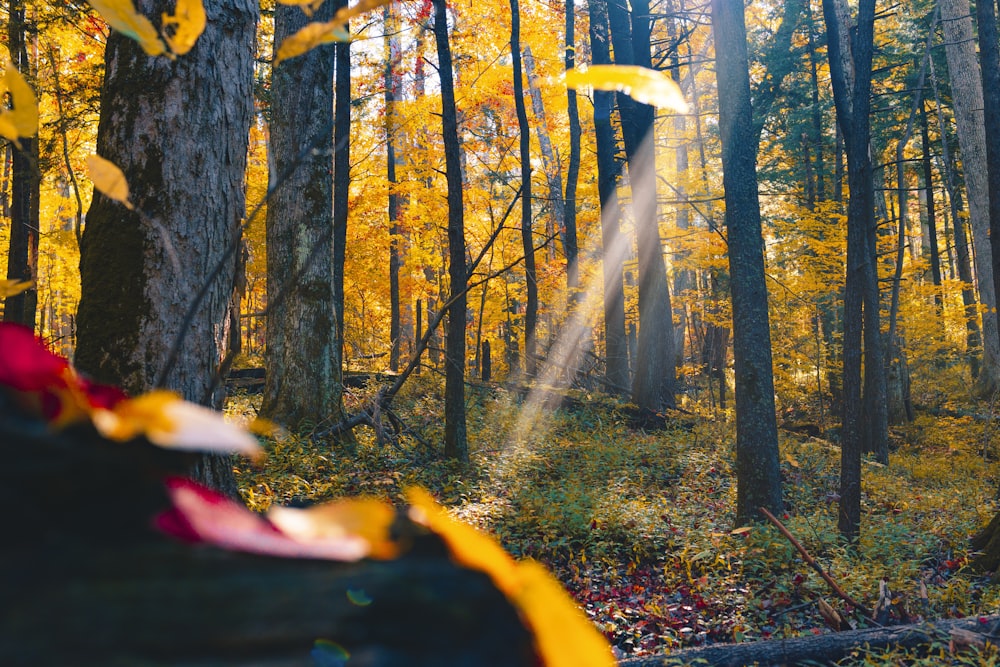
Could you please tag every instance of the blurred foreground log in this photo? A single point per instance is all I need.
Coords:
(86, 580)
(824, 649)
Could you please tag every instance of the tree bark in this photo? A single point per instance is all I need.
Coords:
(570, 244)
(304, 385)
(850, 67)
(613, 243)
(758, 473)
(341, 176)
(989, 62)
(393, 91)
(22, 256)
(178, 129)
(967, 98)
(527, 243)
(654, 380)
(455, 438)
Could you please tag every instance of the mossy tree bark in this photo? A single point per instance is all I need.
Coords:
(178, 130)
(304, 381)
(757, 470)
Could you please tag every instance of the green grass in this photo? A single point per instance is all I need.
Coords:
(638, 523)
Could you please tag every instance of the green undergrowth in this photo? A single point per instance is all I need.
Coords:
(638, 521)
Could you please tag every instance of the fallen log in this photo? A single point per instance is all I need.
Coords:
(823, 648)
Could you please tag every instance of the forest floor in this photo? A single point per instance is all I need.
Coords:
(636, 519)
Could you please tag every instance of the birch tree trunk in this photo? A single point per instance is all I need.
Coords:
(178, 129)
(967, 97)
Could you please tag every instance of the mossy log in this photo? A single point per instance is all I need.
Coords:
(824, 649)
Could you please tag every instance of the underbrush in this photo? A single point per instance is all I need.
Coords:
(638, 522)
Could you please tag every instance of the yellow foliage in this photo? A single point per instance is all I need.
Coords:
(122, 16)
(22, 119)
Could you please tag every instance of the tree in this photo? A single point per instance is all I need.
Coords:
(341, 175)
(302, 354)
(850, 56)
(393, 160)
(989, 62)
(573, 170)
(654, 374)
(455, 438)
(757, 471)
(967, 102)
(608, 170)
(178, 130)
(22, 258)
(527, 244)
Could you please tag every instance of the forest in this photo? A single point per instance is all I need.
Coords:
(510, 332)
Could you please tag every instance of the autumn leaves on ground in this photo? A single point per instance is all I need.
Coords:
(638, 523)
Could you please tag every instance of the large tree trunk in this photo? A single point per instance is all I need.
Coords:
(456, 444)
(654, 382)
(757, 471)
(178, 130)
(613, 243)
(22, 256)
(527, 242)
(303, 352)
(967, 96)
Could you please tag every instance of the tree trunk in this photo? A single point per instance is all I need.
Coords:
(178, 129)
(393, 89)
(341, 177)
(758, 474)
(935, 256)
(455, 439)
(989, 60)
(302, 355)
(973, 339)
(967, 97)
(850, 68)
(613, 243)
(654, 379)
(22, 257)
(570, 245)
(527, 243)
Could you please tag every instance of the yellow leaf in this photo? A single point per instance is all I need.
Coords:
(644, 85)
(308, 38)
(563, 634)
(366, 518)
(108, 179)
(168, 421)
(316, 34)
(791, 460)
(122, 16)
(13, 287)
(741, 530)
(187, 23)
(22, 119)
